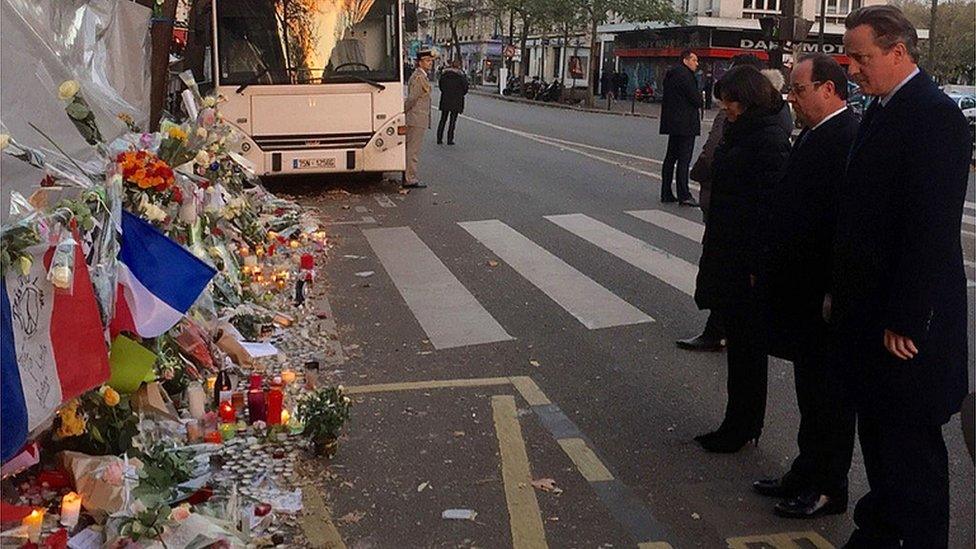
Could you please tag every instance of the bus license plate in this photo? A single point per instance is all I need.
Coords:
(313, 163)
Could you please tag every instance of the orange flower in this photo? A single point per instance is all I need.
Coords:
(145, 170)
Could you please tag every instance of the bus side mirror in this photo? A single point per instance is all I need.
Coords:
(409, 17)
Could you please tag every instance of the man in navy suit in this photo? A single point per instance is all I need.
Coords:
(899, 287)
(798, 249)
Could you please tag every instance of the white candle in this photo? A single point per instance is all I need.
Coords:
(70, 509)
(196, 400)
(33, 523)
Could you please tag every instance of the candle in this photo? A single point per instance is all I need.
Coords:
(294, 244)
(256, 381)
(237, 400)
(285, 417)
(194, 432)
(275, 399)
(257, 406)
(214, 437)
(228, 431)
(211, 383)
(70, 509)
(196, 400)
(259, 251)
(33, 523)
(227, 414)
(288, 376)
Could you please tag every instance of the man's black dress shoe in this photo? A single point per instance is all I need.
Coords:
(775, 487)
(689, 202)
(701, 343)
(810, 504)
(668, 199)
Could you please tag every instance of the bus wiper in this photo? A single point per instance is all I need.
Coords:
(259, 76)
(373, 83)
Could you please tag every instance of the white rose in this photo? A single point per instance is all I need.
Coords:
(202, 158)
(188, 211)
(202, 133)
(60, 276)
(24, 264)
(68, 89)
(210, 102)
(4, 141)
(153, 212)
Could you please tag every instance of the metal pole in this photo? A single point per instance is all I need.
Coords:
(820, 33)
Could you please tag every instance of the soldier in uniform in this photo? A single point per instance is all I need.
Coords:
(417, 109)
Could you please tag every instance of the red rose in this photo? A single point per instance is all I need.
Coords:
(177, 195)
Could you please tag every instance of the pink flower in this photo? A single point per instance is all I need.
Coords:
(207, 117)
(180, 513)
(114, 474)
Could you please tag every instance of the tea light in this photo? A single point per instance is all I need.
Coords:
(211, 383)
(228, 431)
(288, 376)
(227, 413)
(294, 244)
(285, 417)
(259, 251)
(70, 509)
(33, 523)
(213, 437)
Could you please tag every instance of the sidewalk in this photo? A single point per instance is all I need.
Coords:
(624, 107)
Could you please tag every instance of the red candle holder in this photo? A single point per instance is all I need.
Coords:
(227, 412)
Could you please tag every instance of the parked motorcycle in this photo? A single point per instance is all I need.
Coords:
(513, 86)
(534, 89)
(552, 92)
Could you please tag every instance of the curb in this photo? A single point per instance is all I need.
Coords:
(560, 105)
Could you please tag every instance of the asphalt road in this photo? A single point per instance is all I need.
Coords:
(584, 302)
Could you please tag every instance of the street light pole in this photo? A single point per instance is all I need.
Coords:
(820, 33)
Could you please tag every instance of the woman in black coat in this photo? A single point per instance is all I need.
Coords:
(750, 160)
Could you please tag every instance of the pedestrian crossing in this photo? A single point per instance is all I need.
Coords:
(452, 317)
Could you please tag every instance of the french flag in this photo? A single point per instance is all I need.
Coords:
(159, 280)
(52, 347)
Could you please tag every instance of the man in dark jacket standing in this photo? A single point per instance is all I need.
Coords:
(899, 285)
(453, 86)
(799, 247)
(681, 122)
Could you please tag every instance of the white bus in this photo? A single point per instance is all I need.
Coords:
(316, 86)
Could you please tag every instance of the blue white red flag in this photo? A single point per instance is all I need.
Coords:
(159, 280)
(52, 347)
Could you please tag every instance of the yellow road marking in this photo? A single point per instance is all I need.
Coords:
(530, 391)
(316, 521)
(786, 540)
(422, 385)
(523, 508)
(586, 461)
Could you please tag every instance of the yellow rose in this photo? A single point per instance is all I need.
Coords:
(68, 90)
(24, 264)
(209, 101)
(111, 396)
(177, 132)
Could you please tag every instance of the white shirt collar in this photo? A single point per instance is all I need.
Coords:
(829, 116)
(887, 98)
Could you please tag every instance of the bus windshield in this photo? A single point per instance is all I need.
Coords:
(307, 41)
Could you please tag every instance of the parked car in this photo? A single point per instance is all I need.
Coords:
(967, 104)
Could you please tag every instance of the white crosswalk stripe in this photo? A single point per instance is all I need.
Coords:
(670, 269)
(668, 221)
(592, 304)
(447, 312)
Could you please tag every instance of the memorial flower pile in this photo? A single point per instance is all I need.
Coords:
(145, 294)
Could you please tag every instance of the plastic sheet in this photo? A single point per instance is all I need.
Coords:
(102, 44)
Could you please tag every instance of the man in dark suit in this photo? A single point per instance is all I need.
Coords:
(899, 286)
(681, 122)
(799, 246)
(454, 86)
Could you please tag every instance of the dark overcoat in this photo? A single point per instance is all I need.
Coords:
(748, 163)
(682, 103)
(454, 86)
(898, 262)
(799, 236)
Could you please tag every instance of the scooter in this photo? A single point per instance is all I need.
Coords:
(534, 89)
(513, 86)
